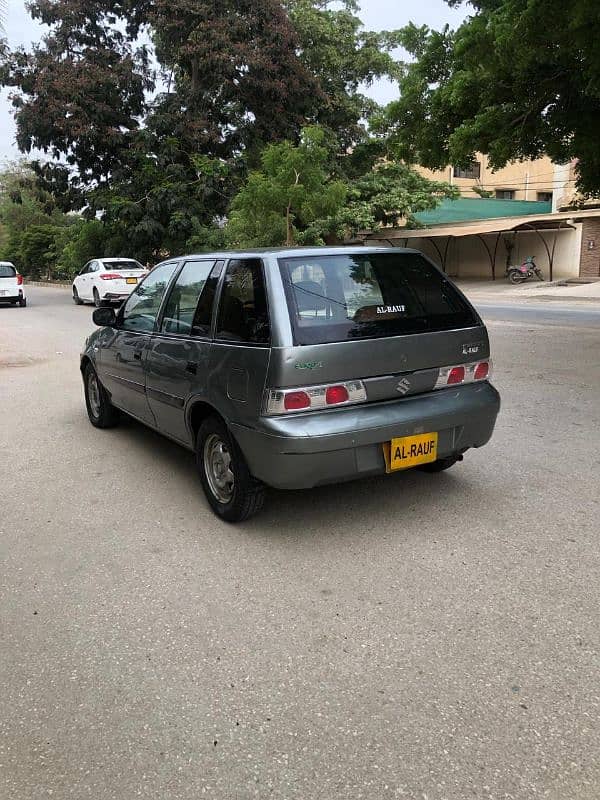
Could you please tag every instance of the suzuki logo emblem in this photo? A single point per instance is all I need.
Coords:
(403, 386)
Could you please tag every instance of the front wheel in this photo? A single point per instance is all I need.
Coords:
(516, 277)
(76, 299)
(97, 301)
(233, 494)
(100, 410)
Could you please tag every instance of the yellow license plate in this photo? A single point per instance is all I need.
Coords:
(131, 280)
(410, 451)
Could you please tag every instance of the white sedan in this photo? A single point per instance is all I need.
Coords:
(107, 280)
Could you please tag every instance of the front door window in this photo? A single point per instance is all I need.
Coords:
(141, 309)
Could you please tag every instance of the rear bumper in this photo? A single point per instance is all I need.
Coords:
(297, 452)
(115, 297)
(12, 298)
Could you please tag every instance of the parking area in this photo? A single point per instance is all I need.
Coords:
(412, 636)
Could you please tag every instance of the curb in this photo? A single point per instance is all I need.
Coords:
(565, 299)
(527, 301)
(47, 284)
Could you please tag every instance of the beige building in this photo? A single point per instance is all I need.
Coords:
(521, 180)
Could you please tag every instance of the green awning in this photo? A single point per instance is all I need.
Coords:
(467, 209)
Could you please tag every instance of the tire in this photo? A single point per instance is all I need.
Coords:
(516, 277)
(101, 412)
(440, 465)
(23, 302)
(97, 301)
(217, 456)
(76, 299)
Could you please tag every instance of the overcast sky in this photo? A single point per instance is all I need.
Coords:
(376, 14)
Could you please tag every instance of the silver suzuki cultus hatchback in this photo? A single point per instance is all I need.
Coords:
(295, 368)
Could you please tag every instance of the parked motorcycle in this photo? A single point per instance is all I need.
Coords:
(523, 272)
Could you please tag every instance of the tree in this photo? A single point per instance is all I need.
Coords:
(36, 253)
(79, 96)
(296, 199)
(233, 74)
(160, 166)
(344, 58)
(30, 219)
(389, 194)
(279, 204)
(518, 79)
(40, 237)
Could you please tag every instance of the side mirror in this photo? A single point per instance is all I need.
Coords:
(104, 317)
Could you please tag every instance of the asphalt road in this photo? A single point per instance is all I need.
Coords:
(420, 636)
(576, 314)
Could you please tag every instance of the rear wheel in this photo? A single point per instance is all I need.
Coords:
(76, 299)
(97, 300)
(100, 410)
(233, 494)
(516, 277)
(23, 302)
(440, 465)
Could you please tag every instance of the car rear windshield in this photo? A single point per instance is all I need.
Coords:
(117, 265)
(7, 271)
(334, 298)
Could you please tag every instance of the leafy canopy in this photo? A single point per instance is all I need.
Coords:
(292, 190)
(295, 197)
(518, 79)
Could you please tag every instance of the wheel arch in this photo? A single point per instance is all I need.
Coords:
(85, 360)
(197, 412)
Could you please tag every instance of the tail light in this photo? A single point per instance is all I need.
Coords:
(464, 373)
(111, 276)
(481, 371)
(456, 375)
(314, 398)
(296, 401)
(334, 395)
(19, 280)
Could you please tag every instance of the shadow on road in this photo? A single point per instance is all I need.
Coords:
(404, 500)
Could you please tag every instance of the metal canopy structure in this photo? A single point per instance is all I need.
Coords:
(548, 223)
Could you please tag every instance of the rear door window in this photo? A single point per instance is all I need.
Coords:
(7, 271)
(183, 299)
(204, 313)
(243, 314)
(334, 298)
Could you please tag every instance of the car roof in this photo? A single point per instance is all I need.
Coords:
(291, 252)
(6, 264)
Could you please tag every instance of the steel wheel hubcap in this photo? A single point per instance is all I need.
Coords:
(217, 467)
(94, 394)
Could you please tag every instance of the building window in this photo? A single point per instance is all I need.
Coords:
(505, 194)
(545, 197)
(472, 172)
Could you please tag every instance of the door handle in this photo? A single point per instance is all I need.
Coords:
(138, 355)
(191, 367)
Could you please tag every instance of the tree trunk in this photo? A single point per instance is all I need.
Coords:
(288, 227)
